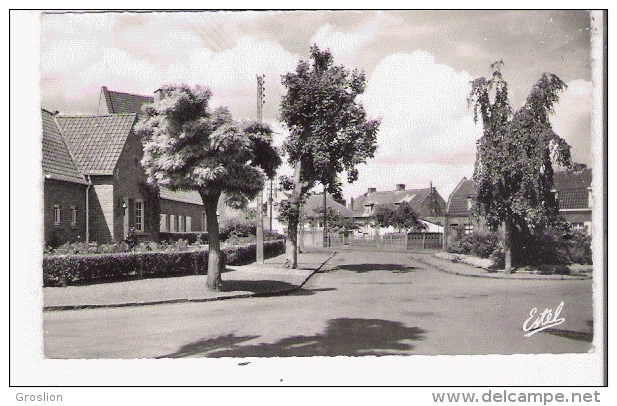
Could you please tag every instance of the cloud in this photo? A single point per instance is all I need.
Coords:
(345, 44)
(572, 119)
(427, 131)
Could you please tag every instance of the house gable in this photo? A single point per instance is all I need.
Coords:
(96, 142)
(111, 102)
(57, 161)
(458, 201)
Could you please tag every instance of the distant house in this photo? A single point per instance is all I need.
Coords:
(427, 203)
(572, 188)
(459, 219)
(312, 210)
(573, 191)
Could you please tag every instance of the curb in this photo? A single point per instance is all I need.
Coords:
(279, 292)
(540, 278)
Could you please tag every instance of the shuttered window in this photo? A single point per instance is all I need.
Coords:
(188, 224)
(172, 223)
(163, 223)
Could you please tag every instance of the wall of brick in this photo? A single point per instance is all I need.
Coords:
(67, 195)
(101, 209)
(183, 209)
(127, 178)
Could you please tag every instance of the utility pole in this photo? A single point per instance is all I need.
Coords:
(270, 200)
(260, 197)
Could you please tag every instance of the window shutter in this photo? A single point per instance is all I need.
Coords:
(188, 224)
(172, 223)
(163, 223)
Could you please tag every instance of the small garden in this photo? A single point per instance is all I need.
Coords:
(552, 252)
(176, 254)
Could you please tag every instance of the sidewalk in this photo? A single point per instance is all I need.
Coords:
(459, 268)
(251, 280)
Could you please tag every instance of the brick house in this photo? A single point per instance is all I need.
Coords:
(427, 203)
(95, 188)
(572, 188)
(180, 211)
(64, 188)
(459, 219)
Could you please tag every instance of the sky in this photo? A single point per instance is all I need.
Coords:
(418, 66)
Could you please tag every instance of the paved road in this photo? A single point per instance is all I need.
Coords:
(365, 303)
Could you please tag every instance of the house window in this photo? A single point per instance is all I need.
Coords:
(578, 226)
(163, 223)
(181, 224)
(188, 224)
(56, 214)
(139, 216)
(468, 228)
(469, 202)
(172, 223)
(73, 216)
(203, 221)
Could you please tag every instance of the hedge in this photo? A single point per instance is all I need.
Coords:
(65, 270)
(189, 237)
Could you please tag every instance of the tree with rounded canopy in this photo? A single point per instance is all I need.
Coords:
(328, 132)
(187, 146)
(402, 216)
(513, 172)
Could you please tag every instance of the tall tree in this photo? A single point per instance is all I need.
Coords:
(514, 162)
(328, 131)
(189, 147)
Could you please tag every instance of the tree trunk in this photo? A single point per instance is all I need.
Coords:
(507, 245)
(325, 216)
(215, 259)
(291, 247)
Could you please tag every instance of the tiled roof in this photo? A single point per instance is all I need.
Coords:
(96, 141)
(415, 197)
(573, 199)
(572, 179)
(457, 203)
(314, 204)
(57, 162)
(181, 196)
(119, 102)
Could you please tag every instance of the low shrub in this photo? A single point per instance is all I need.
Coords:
(237, 229)
(62, 270)
(578, 245)
(477, 244)
(199, 237)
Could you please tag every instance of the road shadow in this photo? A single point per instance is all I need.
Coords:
(256, 286)
(363, 268)
(310, 292)
(342, 337)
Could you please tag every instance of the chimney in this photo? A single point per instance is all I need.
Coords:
(371, 190)
(158, 95)
(400, 187)
(351, 204)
